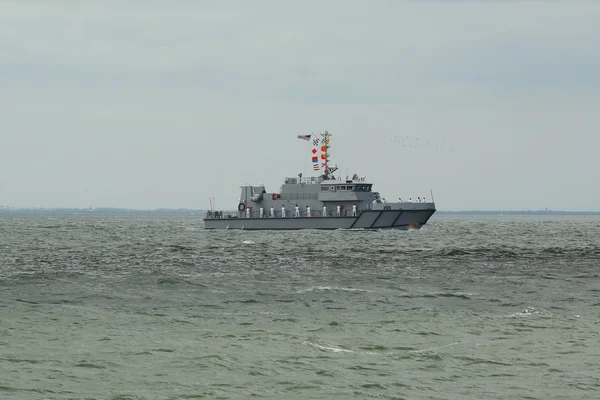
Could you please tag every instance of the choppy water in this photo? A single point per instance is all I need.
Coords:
(122, 307)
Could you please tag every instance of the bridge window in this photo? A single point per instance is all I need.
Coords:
(324, 188)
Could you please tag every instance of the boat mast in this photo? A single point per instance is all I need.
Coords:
(327, 170)
(325, 142)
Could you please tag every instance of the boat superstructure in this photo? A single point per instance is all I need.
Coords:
(320, 202)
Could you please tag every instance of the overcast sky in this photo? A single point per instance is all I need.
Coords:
(165, 104)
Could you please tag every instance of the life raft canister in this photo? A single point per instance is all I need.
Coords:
(241, 207)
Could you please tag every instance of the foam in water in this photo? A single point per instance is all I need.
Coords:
(327, 347)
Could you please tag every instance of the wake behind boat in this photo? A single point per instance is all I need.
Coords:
(320, 202)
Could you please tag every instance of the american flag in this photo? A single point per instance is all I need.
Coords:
(304, 137)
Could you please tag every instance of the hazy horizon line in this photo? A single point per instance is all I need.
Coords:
(4, 209)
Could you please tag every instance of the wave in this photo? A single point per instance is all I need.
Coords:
(508, 252)
(327, 347)
(435, 295)
(176, 281)
(319, 288)
(532, 311)
(179, 247)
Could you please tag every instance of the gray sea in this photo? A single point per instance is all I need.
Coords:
(154, 307)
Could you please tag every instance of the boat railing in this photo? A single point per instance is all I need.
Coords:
(278, 214)
(217, 214)
(310, 180)
(299, 196)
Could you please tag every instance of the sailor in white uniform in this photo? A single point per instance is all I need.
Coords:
(297, 211)
(354, 210)
(262, 212)
(338, 211)
(308, 211)
(418, 199)
(410, 199)
(272, 212)
(324, 211)
(282, 211)
(248, 212)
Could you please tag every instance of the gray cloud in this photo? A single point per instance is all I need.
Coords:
(154, 105)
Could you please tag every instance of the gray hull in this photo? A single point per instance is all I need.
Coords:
(368, 219)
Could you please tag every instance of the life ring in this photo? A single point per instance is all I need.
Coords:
(241, 207)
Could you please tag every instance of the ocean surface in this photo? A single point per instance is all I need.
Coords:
(154, 307)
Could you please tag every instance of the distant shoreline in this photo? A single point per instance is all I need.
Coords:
(520, 212)
(103, 211)
(186, 211)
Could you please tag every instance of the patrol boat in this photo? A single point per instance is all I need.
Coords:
(320, 202)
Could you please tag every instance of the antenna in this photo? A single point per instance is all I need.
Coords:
(325, 142)
(432, 200)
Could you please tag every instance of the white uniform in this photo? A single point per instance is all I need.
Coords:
(324, 211)
(272, 212)
(262, 212)
(410, 199)
(297, 211)
(354, 210)
(282, 212)
(308, 211)
(247, 212)
(338, 211)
